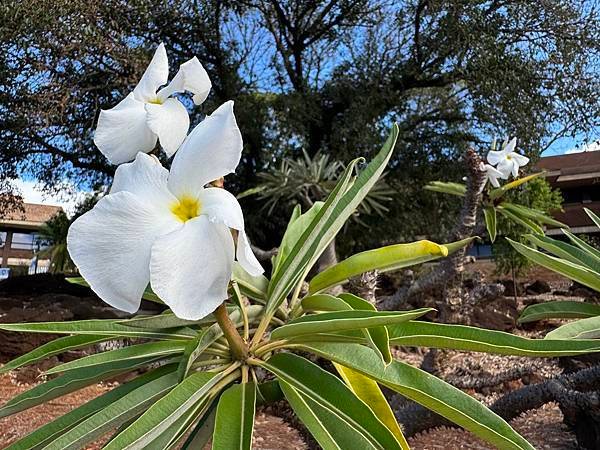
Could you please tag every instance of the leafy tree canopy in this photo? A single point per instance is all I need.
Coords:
(315, 76)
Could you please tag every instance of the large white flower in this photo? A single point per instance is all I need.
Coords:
(507, 160)
(491, 174)
(167, 228)
(148, 114)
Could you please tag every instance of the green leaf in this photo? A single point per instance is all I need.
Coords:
(461, 337)
(344, 320)
(427, 390)
(592, 216)
(369, 392)
(566, 251)
(489, 213)
(570, 270)
(59, 426)
(582, 244)
(295, 229)
(291, 268)
(580, 329)
(118, 412)
(559, 310)
(533, 214)
(169, 438)
(457, 245)
(165, 411)
(332, 395)
(340, 205)
(69, 382)
(164, 321)
(384, 259)
(377, 337)
(523, 221)
(107, 327)
(323, 302)
(253, 287)
(457, 189)
(52, 348)
(499, 192)
(196, 347)
(202, 432)
(311, 416)
(235, 418)
(149, 350)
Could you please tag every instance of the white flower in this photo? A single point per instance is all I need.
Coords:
(491, 174)
(507, 161)
(167, 228)
(148, 114)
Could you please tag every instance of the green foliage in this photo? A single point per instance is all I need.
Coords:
(577, 260)
(54, 234)
(198, 385)
(536, 200)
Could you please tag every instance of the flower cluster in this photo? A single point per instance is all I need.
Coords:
(503, 163)
(165, 227)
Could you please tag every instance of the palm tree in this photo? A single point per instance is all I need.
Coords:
(54, 234)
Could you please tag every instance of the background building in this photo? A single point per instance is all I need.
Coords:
(18, 237)
(577, 175)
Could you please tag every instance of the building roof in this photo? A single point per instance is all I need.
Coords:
(31, 216)
(571, 169)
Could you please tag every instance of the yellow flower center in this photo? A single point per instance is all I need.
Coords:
(508, 157)
(156, 101)
(186, 208)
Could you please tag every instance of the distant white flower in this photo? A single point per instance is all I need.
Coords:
(491, 174)
(507, 161)
(167, 228)
(148, 114)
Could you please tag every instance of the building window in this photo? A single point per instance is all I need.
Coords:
(2, 238)
(22, 241)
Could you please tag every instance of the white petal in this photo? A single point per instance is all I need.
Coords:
(212, 150)
(147, 179)
(514, 168)
(170, 121)
(520, 159)
(122, 131)
(156, 74)
(495, 157)
(111, 247)
(222, 207)
(191, 267)
(191, 77)
(493, 179)
(246, 257)
(505, 167)
(510, 147)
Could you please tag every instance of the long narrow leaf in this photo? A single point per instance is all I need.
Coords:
(344, 320)
(165, 411)
(384, 259)
(570, 270)
(559, 310)
(427, 390)
(369, 392)
(69, 382)
(150, 350)
(59, 426)
(98, 328)
(234, 423)
(118, 412)
(462, 337)
(52, 348)
(327, 391)
(580, 329)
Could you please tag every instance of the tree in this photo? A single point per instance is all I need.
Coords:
(313, 76)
